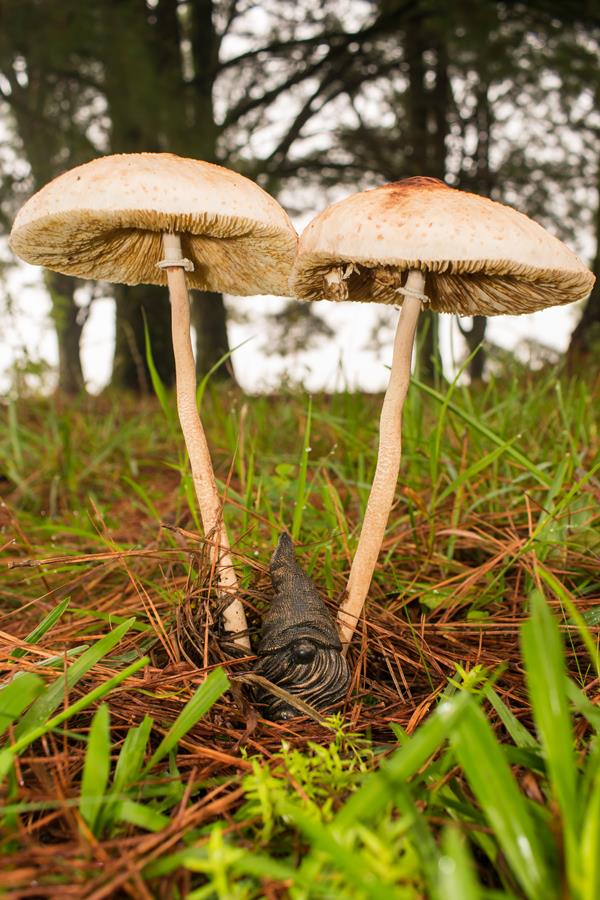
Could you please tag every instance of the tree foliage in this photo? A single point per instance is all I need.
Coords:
(311, 99)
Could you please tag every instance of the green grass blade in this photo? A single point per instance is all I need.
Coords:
(437, 441)
(302, 470)
(468, 476)
(45, 705)
(96, 768)
(144, 497)
(15, 438)
(545, 671)
(583, 705)
(16, 696)
(590, 846)
(56, 662)
(201, 389)
(247, 863)
(142, 816)
(487, 432)
(423, 839)
(485, 766)
(261, 866)
(8, 754)
(324, 840)
(131, 758)
(561, 594)
(111, 618)
(207, 694)
(518, 732)
(592, 616)
(45, 625)
(377, 788)
(129, 766)
(547, 516)
(456, 877)
(157, 384)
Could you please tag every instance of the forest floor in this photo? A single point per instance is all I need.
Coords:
(465, 762)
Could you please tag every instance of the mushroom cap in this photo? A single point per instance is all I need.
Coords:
(104, 220)
(479, 257)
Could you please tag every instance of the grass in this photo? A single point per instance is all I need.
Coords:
(466, 762)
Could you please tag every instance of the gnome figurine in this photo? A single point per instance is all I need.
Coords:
(299, 649)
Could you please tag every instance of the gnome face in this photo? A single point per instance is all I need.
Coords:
(299, 650)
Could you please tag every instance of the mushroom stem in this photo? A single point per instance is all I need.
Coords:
(383, 488)
(209, 501)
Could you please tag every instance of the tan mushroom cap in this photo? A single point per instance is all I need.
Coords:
(480, 257)
(104, 220)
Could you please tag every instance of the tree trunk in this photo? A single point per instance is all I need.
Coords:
(65, 315)
(130, 367)
(209, 318)
(584, 346)
(483, 184)
(182, 121)
(25, 102)
(474, 337)
(417, 149)
(428, 342)
(425, 153)
(209, 315)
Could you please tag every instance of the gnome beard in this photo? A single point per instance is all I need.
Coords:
(299, 650)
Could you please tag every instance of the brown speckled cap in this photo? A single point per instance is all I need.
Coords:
(104, 220)
(479, 257)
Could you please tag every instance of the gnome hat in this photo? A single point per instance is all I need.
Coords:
(296, 611)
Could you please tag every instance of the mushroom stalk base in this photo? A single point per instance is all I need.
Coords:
(388, 462)
(209, 501)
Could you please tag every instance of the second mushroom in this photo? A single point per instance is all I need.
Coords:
(416, 243)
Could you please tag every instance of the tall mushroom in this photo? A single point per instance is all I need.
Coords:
(155, 218)
(418, 242)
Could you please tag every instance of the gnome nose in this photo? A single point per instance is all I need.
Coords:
(304, 651)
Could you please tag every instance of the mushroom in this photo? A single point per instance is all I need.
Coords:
(418, 242)
(156, 218)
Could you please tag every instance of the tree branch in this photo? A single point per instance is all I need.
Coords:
(384, 24)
